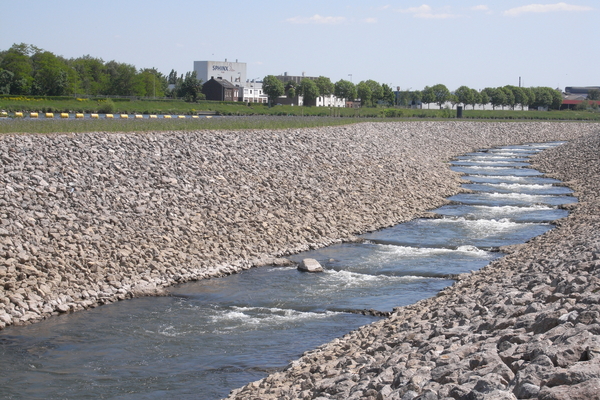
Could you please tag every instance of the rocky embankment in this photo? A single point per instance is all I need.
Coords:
(526, 326)
(88, 219)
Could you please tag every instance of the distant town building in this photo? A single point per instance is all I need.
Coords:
(234, 72)
(252, 92)
(294, 78)
(581, 91)
(330, 101)
(220, 90)
(574, 96)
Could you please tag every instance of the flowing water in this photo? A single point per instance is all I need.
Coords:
(215, 335)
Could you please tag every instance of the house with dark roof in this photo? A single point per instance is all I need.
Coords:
(220, 90)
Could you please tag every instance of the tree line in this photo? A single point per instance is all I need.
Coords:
(505, 96)
(28, 70)
(371, 94)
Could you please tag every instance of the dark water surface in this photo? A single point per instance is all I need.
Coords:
(215, 335)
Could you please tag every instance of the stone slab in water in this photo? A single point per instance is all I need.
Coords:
(310, 265)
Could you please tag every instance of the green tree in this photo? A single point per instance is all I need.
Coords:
(543, 97)
(557, 99)
(309, 90)
(484, 98)
(530, 94)
(121, 79)
(509, 98)
(272, 87)
(593, 94)
(491, 94)
(172, 79)
(404, 98)
(497, 97)
(6, 77)
(365, 94)
(416, 97)
(519, 96)
(50, 75)
(427, 95)
(190, 87)
(325, 86)
(345, 90)
(151, 83)
(465, 95)
(92, 75)
(453, 99)
(17, 60)
(476, 98)
(291, 89)
(376, 91)
(389, 97)
(441, 94)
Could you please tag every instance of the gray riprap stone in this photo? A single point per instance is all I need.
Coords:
(310, 265)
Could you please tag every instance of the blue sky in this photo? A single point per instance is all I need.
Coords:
(409, 44)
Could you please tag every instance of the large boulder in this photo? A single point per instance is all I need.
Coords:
(310, 265)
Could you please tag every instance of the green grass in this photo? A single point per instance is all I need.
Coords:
(56, 125)
(263, 116)
(563, 115)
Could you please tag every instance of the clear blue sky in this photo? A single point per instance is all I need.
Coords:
(409, 44)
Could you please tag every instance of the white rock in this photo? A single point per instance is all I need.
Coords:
(310, 265)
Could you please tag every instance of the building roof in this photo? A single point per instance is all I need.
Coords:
(223, 82)
(575, 102)
(580, 89)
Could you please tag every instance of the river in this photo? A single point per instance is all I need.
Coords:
(214, 335)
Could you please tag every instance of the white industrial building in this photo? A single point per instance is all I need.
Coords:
(330, 101)
(234, 72)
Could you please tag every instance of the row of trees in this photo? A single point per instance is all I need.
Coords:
(505, 96)
(372, 93)
(29, 70)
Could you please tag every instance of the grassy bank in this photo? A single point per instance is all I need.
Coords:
(147, 125)
(12, 104)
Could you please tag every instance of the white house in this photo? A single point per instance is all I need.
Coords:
(252, 92)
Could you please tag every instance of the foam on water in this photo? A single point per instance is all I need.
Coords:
(513, 209)
(404, 251)
(485, 157)
(487, 167)
(509, 150)
(508, 154)
(346, 279)
(481, 161)
(520, 196)
(265, 315)
(520, 186)
(485, 227)
(503, 177)
(506, 178)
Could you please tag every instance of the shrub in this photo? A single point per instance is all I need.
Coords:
(107, 107)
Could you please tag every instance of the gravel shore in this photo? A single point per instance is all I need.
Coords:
(89, 219)
(526, 326)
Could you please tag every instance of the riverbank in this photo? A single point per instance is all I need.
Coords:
(88, 219)
(526, 326)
